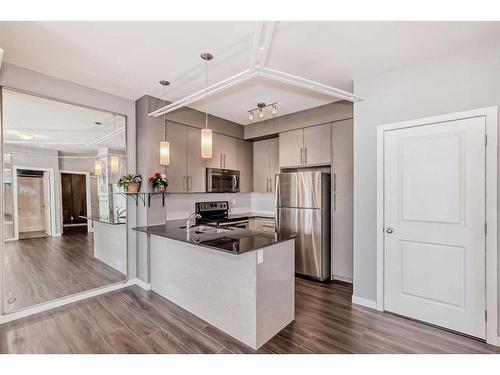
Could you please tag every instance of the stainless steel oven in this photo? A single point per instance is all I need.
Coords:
(223, 181)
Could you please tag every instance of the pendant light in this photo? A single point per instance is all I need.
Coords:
(206, 133)
(164, 145)
(114, 161)
(97, 167)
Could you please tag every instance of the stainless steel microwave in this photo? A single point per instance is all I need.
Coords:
(222, 181)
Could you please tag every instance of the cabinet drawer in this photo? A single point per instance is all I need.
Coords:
(261, 225)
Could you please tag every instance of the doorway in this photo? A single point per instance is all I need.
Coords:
(75, 201)
(33, 211)
(437, 221)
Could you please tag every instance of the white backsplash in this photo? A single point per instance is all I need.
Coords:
(180, 206)
(263, 203)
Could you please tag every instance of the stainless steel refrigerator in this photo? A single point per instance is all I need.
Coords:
(303, 208)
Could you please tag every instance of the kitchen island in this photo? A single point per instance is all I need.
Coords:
(110, 238)
(238, 280)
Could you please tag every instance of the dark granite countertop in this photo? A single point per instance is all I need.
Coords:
(247, 215)
(235, 241)
(106, 219)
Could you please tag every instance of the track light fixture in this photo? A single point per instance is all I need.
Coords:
(260, 110)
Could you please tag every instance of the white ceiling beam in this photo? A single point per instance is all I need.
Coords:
(205, 93)
(266, 45)
(258, 59)
(307, 84)
(256, 44)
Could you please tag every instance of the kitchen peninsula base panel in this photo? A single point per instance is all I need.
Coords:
(248, 296)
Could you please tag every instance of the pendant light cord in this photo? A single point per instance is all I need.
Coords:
(165, 121)
(206, 101)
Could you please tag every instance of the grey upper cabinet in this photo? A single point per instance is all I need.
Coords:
(195, 173)
(308, 146)
(224, 149)
(342, 155)
(317, 145)
(274, 163)
(245, 165)
(186, 172)
(265, 165)
(291, 148)
(176, 170)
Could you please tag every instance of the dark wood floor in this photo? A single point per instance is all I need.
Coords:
(43, 269)
(132, 320)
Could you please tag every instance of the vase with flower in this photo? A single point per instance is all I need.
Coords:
(159, 182)
(130, 183)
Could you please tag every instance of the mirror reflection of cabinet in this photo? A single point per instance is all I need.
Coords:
(64, 221)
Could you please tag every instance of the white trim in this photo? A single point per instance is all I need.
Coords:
(52, 184)
(490, 113)
(342, 278)
(142, 284)
(364, 302)
(88, 192)
(63, 301)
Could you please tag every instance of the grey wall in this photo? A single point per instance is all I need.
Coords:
(315, 116)
(464, 80)
(23, 79)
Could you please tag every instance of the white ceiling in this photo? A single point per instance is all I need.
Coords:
(129, 58)
(39, 122)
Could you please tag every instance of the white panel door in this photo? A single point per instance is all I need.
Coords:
(434, 191)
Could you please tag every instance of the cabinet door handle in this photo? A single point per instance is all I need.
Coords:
(301, 155)
(305, 155)
(267, 185)
(334, 201)
(189, 183)
(184, 184)
(335, 182)
(224, 160)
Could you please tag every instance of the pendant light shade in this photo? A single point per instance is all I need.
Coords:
(206, 143)
(115, 164)
(164, 153)
(97, 168)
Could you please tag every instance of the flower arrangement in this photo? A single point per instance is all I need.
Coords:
(159, 182)
(130, 183)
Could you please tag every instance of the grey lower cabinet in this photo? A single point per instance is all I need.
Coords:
(245, 165)
(224, 150)
(261, 224)
(186, 172)
(305, 147)
(342, 199)
(265, 165)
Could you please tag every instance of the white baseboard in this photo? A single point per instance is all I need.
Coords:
(364, 302)
(142, 284)
(342, 278)
(63, 301)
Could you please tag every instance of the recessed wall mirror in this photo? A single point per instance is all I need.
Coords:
(64, 219)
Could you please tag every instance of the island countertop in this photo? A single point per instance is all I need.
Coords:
(235, 241)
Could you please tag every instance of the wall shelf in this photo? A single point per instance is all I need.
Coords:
(145, 196)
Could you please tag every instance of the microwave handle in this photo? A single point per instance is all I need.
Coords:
(233, 182)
